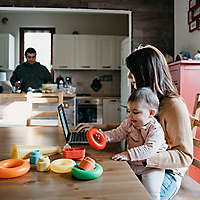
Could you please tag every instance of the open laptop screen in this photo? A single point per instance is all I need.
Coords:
(71, 137)
(64, 122)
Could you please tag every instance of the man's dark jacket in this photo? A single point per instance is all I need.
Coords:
(31, 75)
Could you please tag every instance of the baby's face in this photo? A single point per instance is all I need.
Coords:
(138, 113)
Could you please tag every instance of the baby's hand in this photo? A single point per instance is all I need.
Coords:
(121, 156)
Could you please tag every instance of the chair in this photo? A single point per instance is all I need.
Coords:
(190, 189)
(38, 98)
(195, 121)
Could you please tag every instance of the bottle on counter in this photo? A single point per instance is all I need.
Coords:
(61, 86)
(60, 81)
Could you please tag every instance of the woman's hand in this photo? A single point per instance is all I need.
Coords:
(121, 156)
(85, 126)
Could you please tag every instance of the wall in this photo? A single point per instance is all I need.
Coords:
(83, 83)
(184, 40)
(151, 24)
(102, 24)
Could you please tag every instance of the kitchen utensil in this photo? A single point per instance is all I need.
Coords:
(96, 84)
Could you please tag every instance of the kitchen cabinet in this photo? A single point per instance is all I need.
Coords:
(7, 51)
(86, 51)
(63, 51)
(185, 75)
(108, 52)
(111, 110)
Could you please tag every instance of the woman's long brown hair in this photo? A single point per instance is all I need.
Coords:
(150, 69)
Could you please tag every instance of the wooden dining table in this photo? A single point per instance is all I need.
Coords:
(118, 181)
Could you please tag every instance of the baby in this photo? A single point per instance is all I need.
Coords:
(145, 137)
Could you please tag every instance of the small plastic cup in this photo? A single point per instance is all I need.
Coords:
(34, 157)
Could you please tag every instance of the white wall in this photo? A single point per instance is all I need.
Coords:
(65, 23)
(184, 40)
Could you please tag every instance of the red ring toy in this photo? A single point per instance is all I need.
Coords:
(12, 168)
(96, 138)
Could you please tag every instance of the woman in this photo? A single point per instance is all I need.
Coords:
(148, 68)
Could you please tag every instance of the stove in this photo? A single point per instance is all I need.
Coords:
(89, 109)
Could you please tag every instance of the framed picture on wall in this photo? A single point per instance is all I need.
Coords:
(196, 12)
(192, 3)
(193, 25)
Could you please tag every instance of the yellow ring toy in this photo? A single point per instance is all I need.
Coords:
(87, 175)
(12, 168)
(62, 165)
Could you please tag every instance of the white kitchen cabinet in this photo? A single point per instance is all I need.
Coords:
(7, 51)
(105, 52)
(111, 110)
(64, 51)
(85, 51)
(108, 52)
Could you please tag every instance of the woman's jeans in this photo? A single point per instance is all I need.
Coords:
(170, 185)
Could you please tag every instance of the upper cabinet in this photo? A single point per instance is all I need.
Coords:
(63, 51)
(7, 51)
(108, 52)
(85, 48)
(86, 51)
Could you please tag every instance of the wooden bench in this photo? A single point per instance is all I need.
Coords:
(190, 189)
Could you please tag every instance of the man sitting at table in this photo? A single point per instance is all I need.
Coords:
(30, 73)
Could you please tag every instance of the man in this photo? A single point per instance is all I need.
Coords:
(30, 73)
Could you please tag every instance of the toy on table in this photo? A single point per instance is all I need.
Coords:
(43, 164)
(21, 151)
(34, 157)
(12, 168)
(96, 138)
(87, 169)
(74, 153)
(87, 164)
(62, 165)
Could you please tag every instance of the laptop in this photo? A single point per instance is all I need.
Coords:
(70, 137)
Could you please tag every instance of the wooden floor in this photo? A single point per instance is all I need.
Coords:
(190, 190)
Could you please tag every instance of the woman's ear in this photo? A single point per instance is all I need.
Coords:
(152, 112)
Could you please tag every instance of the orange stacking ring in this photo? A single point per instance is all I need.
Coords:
(96, 138)
(12, 168)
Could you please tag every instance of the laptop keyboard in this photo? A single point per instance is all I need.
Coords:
(78, 137)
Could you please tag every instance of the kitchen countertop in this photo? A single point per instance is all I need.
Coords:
(97, 97)
(35, 95)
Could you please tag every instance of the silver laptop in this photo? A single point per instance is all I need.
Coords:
(70, 137)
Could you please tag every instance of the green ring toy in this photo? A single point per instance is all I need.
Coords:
(87, 175)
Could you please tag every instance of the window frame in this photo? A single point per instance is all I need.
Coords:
(22, 31)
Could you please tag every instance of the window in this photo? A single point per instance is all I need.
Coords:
(41, 40)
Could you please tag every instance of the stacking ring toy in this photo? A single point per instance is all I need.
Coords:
(62, 165)
(87, 175)
(12, 168)
(77, 153)
(96, 138)
(87, 164)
